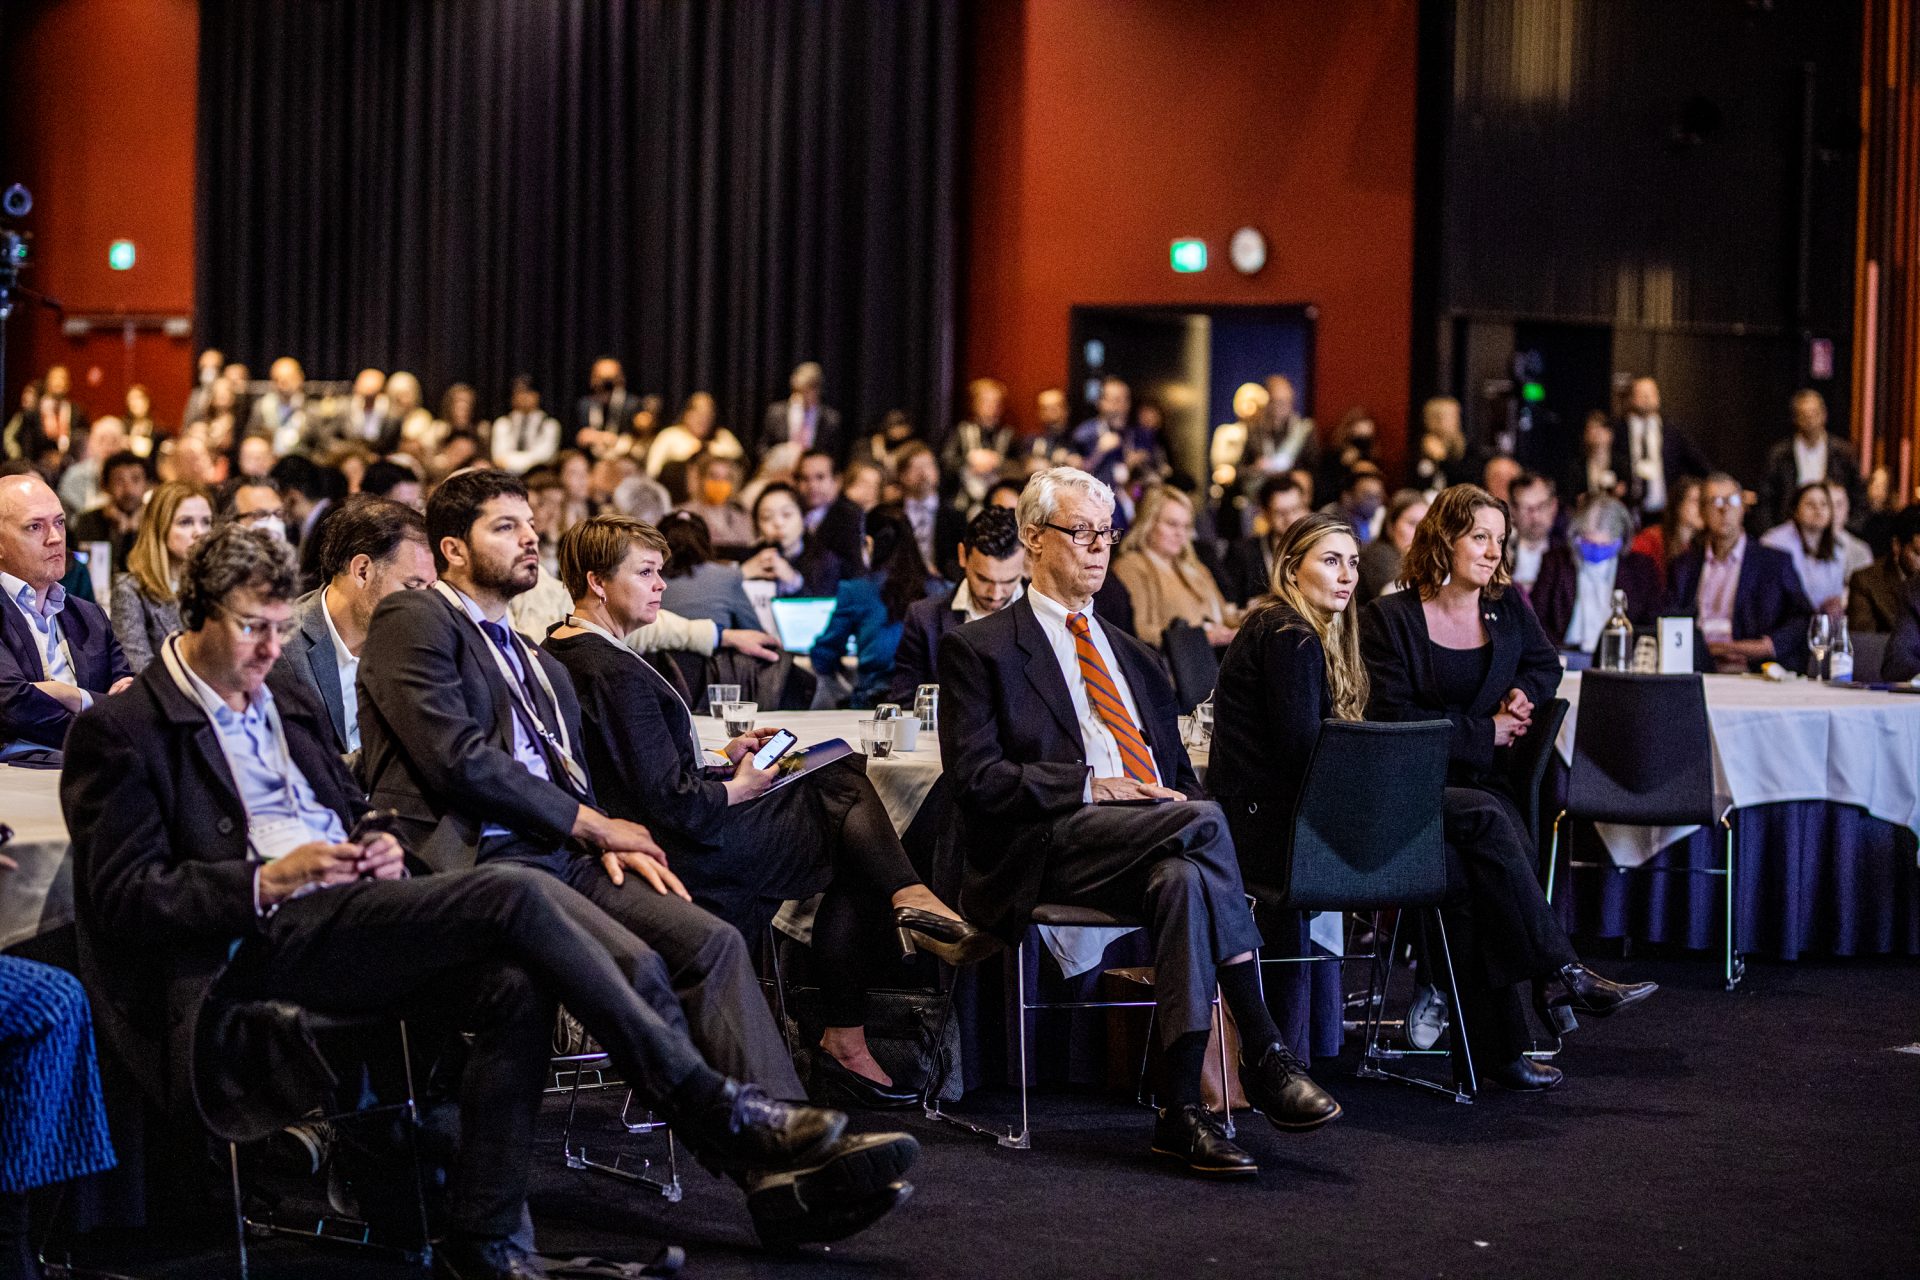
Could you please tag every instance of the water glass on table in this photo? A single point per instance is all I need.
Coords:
(1819, 640)
(718, 695)
(739, 717)
(876, 738)
(926, 705)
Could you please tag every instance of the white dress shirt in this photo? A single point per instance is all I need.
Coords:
(1644, 444)
(349, 671)
(56, 660)
(1103, 752)
(962, 602)
(1526, 561)
(524, 440)
(1810, 460)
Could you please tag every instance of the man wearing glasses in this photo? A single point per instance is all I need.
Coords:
(1747, 596)
(1061, 745)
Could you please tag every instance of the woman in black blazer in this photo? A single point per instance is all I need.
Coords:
(828, 833)
(1457, 646)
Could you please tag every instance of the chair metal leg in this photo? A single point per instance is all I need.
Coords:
(1736, 968)
(1025, 1140)
(578, 1158)
(930, 1099)
(779, 989)
(1465, 1074)
(239, 1208)
(413, 1148)
(1553, 853)
(1226, 1079)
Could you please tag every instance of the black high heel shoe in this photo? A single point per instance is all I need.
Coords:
(839, 1082)
(1580, 988)
(954, 941)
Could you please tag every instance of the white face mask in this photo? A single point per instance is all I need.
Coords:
(273, 525)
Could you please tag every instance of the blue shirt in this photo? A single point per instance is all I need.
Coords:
(56, 662)
(525, 749)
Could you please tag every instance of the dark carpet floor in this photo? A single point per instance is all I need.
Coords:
(1772, 1132)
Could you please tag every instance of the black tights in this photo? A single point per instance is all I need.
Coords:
(854, 925)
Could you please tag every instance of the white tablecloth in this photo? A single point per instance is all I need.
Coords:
(1799, 740)
(39, 896)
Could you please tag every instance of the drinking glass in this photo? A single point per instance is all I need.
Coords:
(926, 704)
(739, 717)
(1819, 640)
(887, 711)
(1203, 724)
(719, 695)
(876, 738)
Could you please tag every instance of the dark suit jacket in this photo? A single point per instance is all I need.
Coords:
(1903, 646)
(163, 888)
(1554, 591)
(827, 436)
(1399, 655)
(841, 532)
(620, 408)
(1783, 477)
(436, 734)
(949, 527)
(310, 659)
(1247, 574)
(1014, 756)
(1768, 601)
(28, 715)
(1678, 457)
(927, 623)
(1875, 595)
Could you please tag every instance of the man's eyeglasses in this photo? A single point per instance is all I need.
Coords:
(257, 628)
(1086, 537)
(1725, 502)
(267, 513)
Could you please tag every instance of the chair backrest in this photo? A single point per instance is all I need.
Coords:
(1530, 757)
(1192, 661)
(1869, 655)
(1367, 828)
(1641, 751)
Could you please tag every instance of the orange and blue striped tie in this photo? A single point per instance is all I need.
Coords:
(1104, 694)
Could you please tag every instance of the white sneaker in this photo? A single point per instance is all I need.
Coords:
(1427, 1017)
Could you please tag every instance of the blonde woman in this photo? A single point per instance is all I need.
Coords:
(146, 603)
(1157, 565)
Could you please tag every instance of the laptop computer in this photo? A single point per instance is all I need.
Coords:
(800, 620)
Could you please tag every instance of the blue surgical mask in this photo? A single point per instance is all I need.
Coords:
(1597, 552)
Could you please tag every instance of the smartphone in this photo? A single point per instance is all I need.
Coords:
(776, 746)
(375, 822)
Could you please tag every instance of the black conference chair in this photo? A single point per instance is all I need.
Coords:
(1528, 761)
(1063, 916)
(1193, 663)
(335, 1229)
(1643, 756)
(579, 1063)
(1869, 655)
(1356, 846)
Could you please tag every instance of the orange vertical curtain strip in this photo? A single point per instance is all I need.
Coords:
(1886, 355)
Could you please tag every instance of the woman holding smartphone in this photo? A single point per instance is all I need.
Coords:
(1296, 663)
(826, 833)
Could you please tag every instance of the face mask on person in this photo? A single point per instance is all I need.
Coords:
(1598, 552)
(716, 491)
(273, 525)
(1365, 507)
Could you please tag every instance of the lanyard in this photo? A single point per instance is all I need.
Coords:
(561, 745)
(282, 765)
(584, 624)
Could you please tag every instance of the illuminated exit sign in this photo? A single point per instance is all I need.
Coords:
(1189, 256)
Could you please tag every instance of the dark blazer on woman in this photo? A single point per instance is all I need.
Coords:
(1399, 655)
(1267, 710)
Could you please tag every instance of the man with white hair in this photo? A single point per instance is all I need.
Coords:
(57, 653)
(1060, 742)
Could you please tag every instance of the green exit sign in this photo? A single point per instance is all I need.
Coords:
(120, 255)
(1189, 256)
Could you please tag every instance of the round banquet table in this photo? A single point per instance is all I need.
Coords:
(1825, 785)
(37, 898)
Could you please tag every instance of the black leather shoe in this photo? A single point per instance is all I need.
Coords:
(1279, 1086)
(492, 1258)
(954, 941)
(835, 1082)
(849, 1191)
(1524, 1075)
(749, 1129)
(1193, 1135)
(1588, 992)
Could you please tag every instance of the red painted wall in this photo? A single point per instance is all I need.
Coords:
(100, 100)
(1104, 130)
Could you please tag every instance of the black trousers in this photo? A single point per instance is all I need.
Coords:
(829, 834)
(497, 945)
(1173, 867)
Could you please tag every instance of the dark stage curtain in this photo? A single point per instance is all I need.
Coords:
(468, 189)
